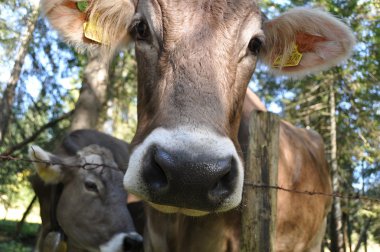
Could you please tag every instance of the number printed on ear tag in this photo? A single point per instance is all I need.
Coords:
(293, 59)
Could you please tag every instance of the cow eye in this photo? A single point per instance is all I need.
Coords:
(141, 30)
(91, 186)
(255, 45)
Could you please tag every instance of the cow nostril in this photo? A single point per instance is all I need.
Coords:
(220, 188)
(154, 171)
(224, 185)
(126, 246)
(132, 242)
(218, 191)
(161, 180)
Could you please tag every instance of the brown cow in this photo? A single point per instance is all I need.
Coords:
(301, 220)
(195, 59)
(84, 205)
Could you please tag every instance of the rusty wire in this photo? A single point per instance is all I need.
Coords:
(254, 185)
(85, 166)
(312, 193)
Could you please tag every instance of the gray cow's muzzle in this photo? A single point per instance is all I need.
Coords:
(124, 242)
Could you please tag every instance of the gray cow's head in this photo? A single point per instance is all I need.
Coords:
(91, 209)
(195, 59)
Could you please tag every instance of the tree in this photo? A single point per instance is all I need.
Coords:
(9, 92)
(119, 118)
(337, 242)
(36, 105)
(93, 94)
(353, 140)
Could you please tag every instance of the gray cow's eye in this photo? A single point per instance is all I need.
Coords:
(91, 186)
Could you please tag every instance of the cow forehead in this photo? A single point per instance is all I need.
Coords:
(94, 155)
(99, 164)
(93, 159)
(215, 7)
(177, 18)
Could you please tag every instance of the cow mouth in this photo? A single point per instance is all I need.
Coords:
(174, 210)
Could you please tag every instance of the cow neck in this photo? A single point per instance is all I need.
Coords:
(54, 196)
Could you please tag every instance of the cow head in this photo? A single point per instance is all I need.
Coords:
(195, 59)
(91, 209)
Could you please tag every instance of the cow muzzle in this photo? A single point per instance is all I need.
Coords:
(184, 169)
(124, 242)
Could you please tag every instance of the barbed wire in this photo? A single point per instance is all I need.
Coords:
(88, 166)
(312, 193)
(85, 165)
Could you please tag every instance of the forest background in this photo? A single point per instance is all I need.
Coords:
(47, 89)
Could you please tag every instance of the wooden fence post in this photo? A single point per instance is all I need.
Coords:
(258, 220)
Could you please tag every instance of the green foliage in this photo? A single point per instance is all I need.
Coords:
(357, 93)
(41, 93)
(49, 87)
(52, 76)
(120, 116)
(12, 24)
(15, 246)
(24, 243)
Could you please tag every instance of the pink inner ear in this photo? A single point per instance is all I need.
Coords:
(310, 46)
(70, 4)
(78, 19)
(307, 42)
(80, 16)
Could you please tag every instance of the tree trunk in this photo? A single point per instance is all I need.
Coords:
(346, 218)
(26, 213)
(92, 95)
(363, 235)
(10, 89)
(337, 242)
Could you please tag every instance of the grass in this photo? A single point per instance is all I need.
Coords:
(23, 243)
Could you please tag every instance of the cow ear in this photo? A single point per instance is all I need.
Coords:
(303, 41)
(67, 19)
(48, 166)
(90, 24)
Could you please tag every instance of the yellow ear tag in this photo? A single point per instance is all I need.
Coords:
(94, 32)
(293, 59)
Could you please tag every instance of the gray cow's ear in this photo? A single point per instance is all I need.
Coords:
(48, 166)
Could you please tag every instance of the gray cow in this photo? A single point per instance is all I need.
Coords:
(83, 203)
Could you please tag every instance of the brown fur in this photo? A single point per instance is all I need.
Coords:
(302, 26)
(194, 71)
(300, 218)
(181, 80)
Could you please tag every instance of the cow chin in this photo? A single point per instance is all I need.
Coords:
(186, 170)
(173, 210)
